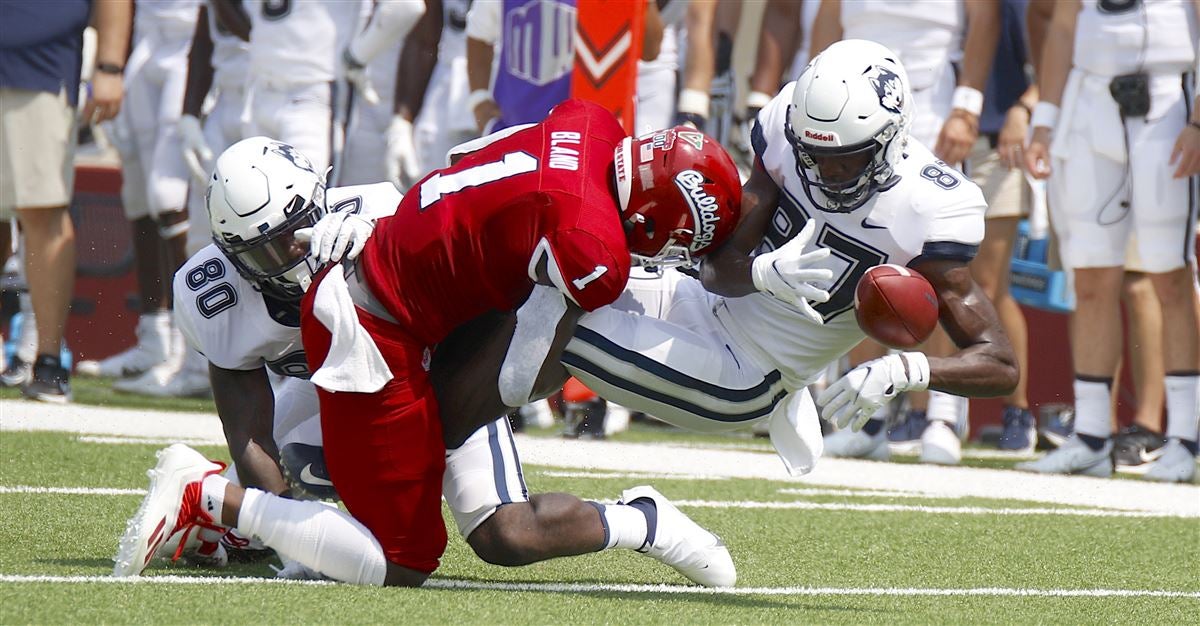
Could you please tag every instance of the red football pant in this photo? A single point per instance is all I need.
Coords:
(384, 450)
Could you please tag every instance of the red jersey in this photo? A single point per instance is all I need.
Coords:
(469, 238)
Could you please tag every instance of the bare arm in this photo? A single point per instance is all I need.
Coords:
(246, 406)
(727, 270)
(701, 53)
(827, 27)
(652, 31)
(1053, 68)
(113, 21)
(232, 15)
(961, 127)
(777, 44)
(1037, 22)
(200, 69)
(418, 58)
(984, 364)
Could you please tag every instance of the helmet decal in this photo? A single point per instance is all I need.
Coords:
(692, 137)
(888, 87)
(288, 152)
(704, 206)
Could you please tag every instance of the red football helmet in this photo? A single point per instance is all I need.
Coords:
(680, 195)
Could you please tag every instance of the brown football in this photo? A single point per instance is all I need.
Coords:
(895, 306)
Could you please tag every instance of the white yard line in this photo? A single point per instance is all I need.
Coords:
(953, 482)
(74, 491)
(442, 583)
(631, 475)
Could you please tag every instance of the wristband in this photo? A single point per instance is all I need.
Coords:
(478, 97)
(968, 99)
(1045, 115)
(693, 101)
(109, 68)
(918, 371)
(757, 100)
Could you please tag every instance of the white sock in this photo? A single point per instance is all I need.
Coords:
(1183, 406)
(943, 407)
(624, 525)
(322, 538)
(212, 495)
(1093, 408)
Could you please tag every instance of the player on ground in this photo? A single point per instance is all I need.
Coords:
(838, 187)
(560, 217)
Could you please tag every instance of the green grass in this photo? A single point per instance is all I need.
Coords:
(99, 392)
(75, 535)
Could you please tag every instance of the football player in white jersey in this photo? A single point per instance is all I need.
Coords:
(1123, 157)
(838, 187)
(154, 177)
(947, 48)
(239, 303)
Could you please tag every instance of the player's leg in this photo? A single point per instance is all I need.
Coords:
(485, 489)
(306, 121)
(1139, 443)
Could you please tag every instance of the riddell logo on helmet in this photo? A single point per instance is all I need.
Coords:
(816, 135)
(703, 206)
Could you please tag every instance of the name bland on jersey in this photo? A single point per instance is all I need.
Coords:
(703, 205)
(563, 157)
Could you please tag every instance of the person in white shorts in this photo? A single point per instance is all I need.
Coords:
(947, 48)
(1117, 134)
(154, 182)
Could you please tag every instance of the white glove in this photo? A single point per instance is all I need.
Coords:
(196, 152)
(787, 273)
(294, 570)
(855, 397)
(336, 236)
(356, 75)
(402, 168)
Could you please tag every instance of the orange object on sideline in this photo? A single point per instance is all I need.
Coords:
(575, 391)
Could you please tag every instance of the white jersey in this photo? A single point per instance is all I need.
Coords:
(297, 41)
(1155, 36)
(927, 34)
(169, 19)
(934, 211)
(234, 325)
(229, 54)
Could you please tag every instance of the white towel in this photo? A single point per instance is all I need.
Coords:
(796, 432)
(354, 362)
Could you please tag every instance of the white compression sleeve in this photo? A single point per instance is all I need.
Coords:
(537, 321)
(323, 538)
(390, 23)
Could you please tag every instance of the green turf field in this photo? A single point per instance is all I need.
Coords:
(918, 562)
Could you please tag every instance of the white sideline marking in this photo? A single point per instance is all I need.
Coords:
(442, 583)
(153, 441)
(716, 504)
(74, 491)
(634, 475)
(865, 493)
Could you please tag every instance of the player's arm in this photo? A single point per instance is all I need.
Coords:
(727, 270)
(418, 58)
(246, 406)
(1185, 154)
(652, 31)
(985, 364)
(1054, 64)
(232, 15)
(827, 27)
(700, 65)
(200, 69)
(483, 33)
(777, 44)
(961, 129)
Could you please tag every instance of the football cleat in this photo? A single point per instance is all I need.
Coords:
(17, 373)
(172, 504)
(243, 549)
(1057, 425)
(1175, 465)
(940, 444)
(848, 444)
(1073, 457)
(674, 539)
(153, 347)
(1020, 433)
(904, 437)
(1137, 447)
(51, 382)
(167, 380)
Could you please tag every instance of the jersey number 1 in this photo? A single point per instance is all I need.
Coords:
(444, 184)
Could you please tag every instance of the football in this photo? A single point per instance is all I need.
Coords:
(895, 306)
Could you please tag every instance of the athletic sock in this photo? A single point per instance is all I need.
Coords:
(1093, 407)
(322, 538)
(943, 407)
(625, 525)
(1095, 443)
(1191, 445)
(212, 495)
(1183, 405)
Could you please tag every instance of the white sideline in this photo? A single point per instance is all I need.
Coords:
(609, 456)
(444, 583)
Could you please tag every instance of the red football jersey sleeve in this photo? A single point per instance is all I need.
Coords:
(585, 268)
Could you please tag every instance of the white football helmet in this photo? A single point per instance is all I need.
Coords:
(261, 192)
(850, 115)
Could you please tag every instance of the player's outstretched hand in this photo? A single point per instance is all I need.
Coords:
(402, 168)
(356, 75)
(787, 274)
(196, 151)
(855, 397)
(337, 236)
(1185, 155)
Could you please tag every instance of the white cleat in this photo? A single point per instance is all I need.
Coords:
(171, 504)
(167, 380)
(1175, 465)
(847, 444)
(153, 348)
(940, 444)
(1074, 457)
(677, 541)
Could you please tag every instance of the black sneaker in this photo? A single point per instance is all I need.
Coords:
(1020, 432)
(1135, 446)
(16, 374)
(51, 382)
(584, 420)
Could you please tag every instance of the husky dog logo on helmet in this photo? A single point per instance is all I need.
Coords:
(288, 152)
(888, 87)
